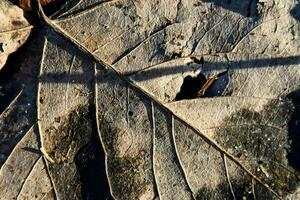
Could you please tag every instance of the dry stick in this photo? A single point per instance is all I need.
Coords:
(60, 31)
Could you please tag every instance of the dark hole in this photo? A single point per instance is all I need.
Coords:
(130, 113)
(294, 131)
(90, 162)
(41, 100)
(190, 87)
(295, 12)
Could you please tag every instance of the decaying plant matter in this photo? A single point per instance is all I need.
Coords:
(129, 60)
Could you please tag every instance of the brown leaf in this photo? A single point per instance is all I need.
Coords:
(232, 145)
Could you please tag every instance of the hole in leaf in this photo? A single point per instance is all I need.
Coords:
(190, 87)
(200, 86)
(130, 113)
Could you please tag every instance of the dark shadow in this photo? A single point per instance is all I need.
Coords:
(54, 6)
(19, 73)
(294, 131)
(190, 87)
(242, 188)
(32, 150)
(295, 12)
(9, 71)
(159, 72)
(90, 159)
(247, 8)
(90, 162)
(193, 87)
(210, 66)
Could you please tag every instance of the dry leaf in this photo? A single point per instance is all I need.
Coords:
(131, 59)
(14, 30)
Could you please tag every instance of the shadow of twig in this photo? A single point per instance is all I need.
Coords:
(155, 72)
(246, 8)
